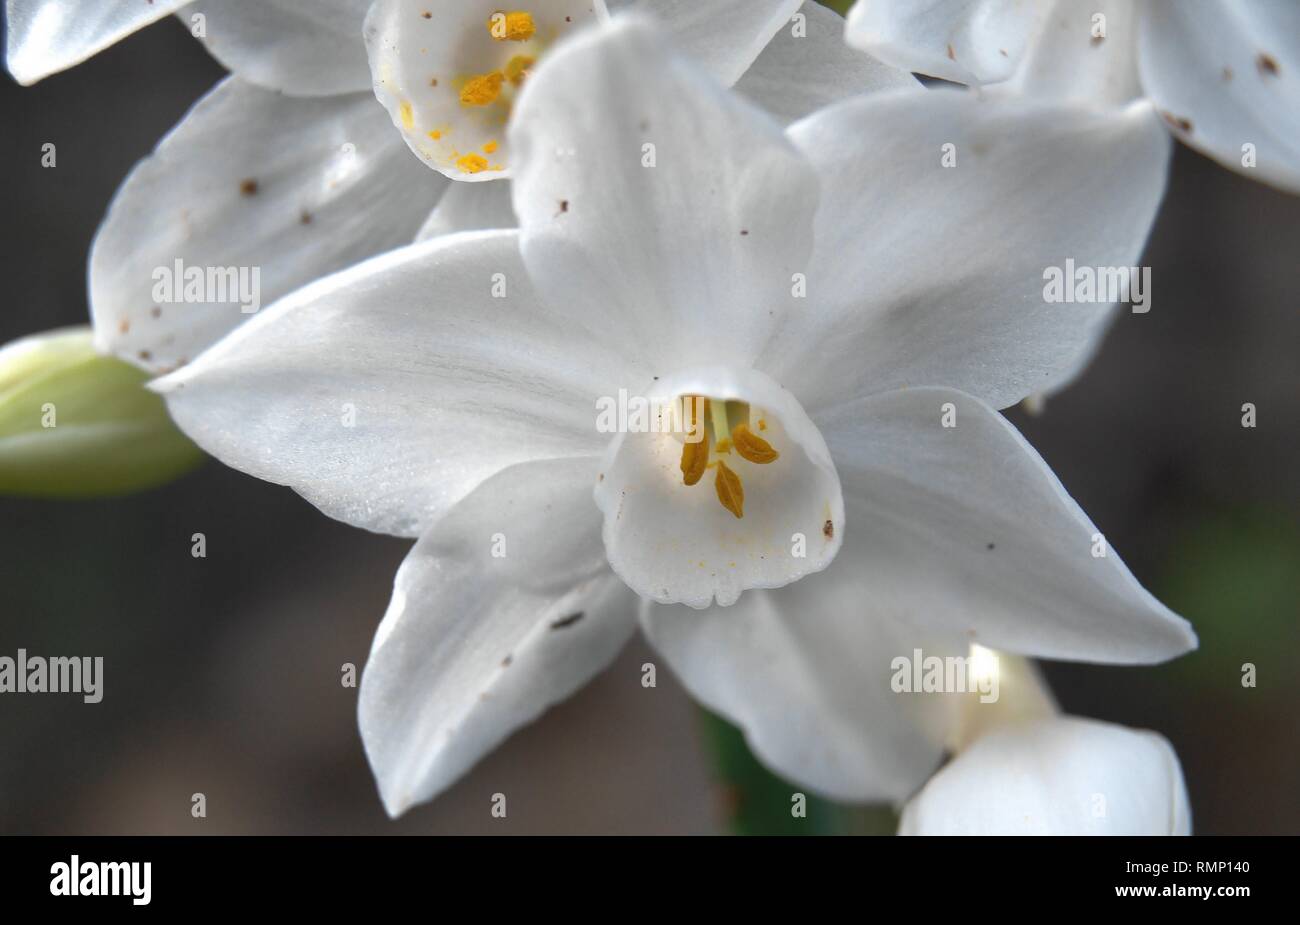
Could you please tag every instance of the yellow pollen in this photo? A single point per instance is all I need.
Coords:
(730, 492)
(517, 26)
(407, 115)
(517, 68)
(472, 163)
(435, 135)
(489, 147)
(481, 90)
(752, 447)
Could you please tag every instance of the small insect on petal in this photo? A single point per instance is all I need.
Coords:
(751, 446)
(731, 493)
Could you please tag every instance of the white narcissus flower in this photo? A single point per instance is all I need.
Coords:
(290, 166)
(449, 73)
(1225, 75)
(1062, 775)
(1021, 768)
(449, 391)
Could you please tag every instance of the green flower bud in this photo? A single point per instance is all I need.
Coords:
(76, 424)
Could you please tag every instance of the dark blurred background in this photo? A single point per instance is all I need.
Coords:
(223, 673)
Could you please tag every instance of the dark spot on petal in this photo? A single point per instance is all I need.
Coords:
(991, 546)
(952, 55)
(1177, 122)
(564, 207)
(156, 312)
(427, 15)
(566, 621)
(433, 81)
(1002, 52)
(124, 325)
(1227, 74)
(304, 217)
(145, 355)
(505, 662)
(1267, 65)
(1097, 40)
(828, 530)
(744, 231)
(248, 187)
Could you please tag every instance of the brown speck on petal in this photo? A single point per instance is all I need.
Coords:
(744, 231)
(1177, 122)
(828, 530)
(304, 218)
(505, 662)
(124, 325)
(427, 15)
(952, 55)
(1227, 74)
(566, 621)
(145, 355)
(1267, 65)
(433, 81)
(248, 187)
(156, 312)
(1097, 40)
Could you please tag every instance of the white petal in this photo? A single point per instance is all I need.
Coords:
(723, 36)
(806, 672)
(800, 72)
(1228, 75)
(1084, 53)
(470, 207)
(1008, 689)
(422, 56)
(294, 188)
(895, 298)
(474, 644)
(969, 41)
(48, 36)
(1066, 776)
(677, 543)
(303, 49)
(386, 393)
(968, 529)
(662, 201)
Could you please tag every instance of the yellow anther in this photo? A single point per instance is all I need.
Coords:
(752, 447)
(517, 68)
(472, 163)
(695, 458)
(517, 26)
(730, 492)
(481, 90)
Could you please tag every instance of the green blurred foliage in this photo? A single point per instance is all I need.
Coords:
(839, 6)
(74, 424)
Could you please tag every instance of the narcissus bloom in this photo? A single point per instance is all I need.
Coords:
(1224, 75)
(1020, 767)
(291, 166)
(1061, 775)
(674, 241)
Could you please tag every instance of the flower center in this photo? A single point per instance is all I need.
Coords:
(728, 429)
(449, 73)
(769, 512)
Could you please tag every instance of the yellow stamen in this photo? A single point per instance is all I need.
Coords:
(753, 447)
(472, 163)
(730, 491)
(481, 90)
(517, 26)
(695, 457)
(517, 68)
